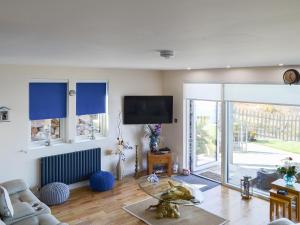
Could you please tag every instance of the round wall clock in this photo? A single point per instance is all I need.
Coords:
(291, 76)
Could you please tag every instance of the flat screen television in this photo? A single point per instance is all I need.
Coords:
(148, 109)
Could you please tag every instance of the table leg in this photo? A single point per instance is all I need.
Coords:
(298, 207)
(277, 209)
(283, 209)
(271, 210)
(290, 210)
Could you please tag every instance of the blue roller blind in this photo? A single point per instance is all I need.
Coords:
(47, 100)
(90, 98)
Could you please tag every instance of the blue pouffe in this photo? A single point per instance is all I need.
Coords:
(55, 193)
(102, 181)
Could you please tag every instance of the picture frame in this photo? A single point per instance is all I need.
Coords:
(4, 114)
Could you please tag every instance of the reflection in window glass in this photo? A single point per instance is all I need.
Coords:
(89, 125)
(261, 136)
(41, 130)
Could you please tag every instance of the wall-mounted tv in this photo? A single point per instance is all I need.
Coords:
(148, 109)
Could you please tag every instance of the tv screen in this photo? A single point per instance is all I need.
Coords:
(148, 109)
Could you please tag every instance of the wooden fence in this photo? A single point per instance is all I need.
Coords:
(274, 125)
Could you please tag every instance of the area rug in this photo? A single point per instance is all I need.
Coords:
(193, 179)
(211, 175)
(189, 215)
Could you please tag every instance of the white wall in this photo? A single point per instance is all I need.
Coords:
(14, 94)
(14, 135)
(173, 81)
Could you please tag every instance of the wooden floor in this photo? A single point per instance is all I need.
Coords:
(89, 208)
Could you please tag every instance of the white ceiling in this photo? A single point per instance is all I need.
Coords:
(127, 33)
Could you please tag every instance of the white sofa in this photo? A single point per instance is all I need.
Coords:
(28, 209)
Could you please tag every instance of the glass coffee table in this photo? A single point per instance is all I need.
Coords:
(170, 194)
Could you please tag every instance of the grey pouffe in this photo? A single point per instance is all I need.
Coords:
(55, 193)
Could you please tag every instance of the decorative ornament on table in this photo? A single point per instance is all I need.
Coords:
(186, 172)
(153, 132)
(153, 178)
(289, 171)
(246, 187)
(121, 147)
(136, 169)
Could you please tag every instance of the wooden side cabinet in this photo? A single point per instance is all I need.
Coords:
(154, 159)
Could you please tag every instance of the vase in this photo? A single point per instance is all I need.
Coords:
(154, 142)
(120, 168)
(289, 180)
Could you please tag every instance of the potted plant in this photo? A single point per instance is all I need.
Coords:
(288, 171)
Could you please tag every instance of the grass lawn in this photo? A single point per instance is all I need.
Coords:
(288, 146)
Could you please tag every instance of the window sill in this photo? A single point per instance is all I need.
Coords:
(58, 144)
(97, 138)
(35, 147)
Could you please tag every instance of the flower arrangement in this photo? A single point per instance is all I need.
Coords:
(288, 171)
(153, 132)
(289, 167)
(121, 146)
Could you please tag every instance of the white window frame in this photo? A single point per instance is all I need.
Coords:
(63, 121)
(97, 135)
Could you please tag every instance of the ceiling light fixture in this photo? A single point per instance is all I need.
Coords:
(166, 53)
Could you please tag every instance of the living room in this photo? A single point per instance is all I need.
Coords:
(227, 77)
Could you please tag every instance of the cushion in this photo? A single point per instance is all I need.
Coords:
(15, 186)
(24, 196)
(6, 209)
(44, 219)
(21, 210)
(55, 193)
(24, 210)
(102, 181)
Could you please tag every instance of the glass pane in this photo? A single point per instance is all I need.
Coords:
(206, 156)
(41, 130)
(206, 130)
(261, 136)
(87, 123)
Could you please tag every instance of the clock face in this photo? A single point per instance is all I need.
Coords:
(291, 76)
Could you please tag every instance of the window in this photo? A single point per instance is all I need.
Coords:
(90, 125)
(261, 137)
(263, 129)
(47, 110)
(43, 130)
(253, 127)
(91, 110)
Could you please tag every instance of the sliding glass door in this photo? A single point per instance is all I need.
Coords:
(260, 137)
(260, 129)
(204, 133)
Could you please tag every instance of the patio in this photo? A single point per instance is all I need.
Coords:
(248, 162)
